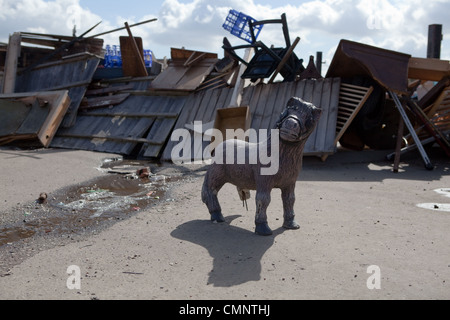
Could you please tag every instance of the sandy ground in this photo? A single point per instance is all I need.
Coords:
(353, 211)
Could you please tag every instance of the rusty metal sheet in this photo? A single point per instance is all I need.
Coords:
(388, 68)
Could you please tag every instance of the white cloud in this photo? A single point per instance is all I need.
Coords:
(400, 25)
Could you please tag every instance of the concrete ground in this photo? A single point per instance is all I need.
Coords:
(362, 236)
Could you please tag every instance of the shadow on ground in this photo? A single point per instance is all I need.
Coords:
(236, 252)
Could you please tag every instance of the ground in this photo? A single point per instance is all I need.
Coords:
(362, 235)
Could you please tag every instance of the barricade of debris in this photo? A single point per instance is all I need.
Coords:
(74, 94)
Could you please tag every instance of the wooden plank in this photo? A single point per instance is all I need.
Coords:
(195, 57)
(131, 48)
(110, 138)
(255, 101)
(131, 115)
(428, 69)
(102, 102)
(316, 99)
(323, 129)
(269, 108)
(197, 141)
(330, 143)
(260, 110)
(161, 129)
(185, 117)
(12, 57)
(112, 89)
(183, 54)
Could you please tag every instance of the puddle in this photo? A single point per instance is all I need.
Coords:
(76, 209)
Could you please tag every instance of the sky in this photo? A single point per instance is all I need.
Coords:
(400, 25)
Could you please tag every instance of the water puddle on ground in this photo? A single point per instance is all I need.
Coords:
(114, 196)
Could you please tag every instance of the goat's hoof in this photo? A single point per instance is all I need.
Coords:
(217, 217)
(291, 224)
(263, 229)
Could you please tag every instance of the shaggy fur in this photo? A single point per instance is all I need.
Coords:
(295, 125)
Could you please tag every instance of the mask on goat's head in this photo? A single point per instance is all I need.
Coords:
(298, 120)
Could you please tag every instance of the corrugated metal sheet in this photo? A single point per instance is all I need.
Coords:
(73, 74)
(266, 102)
(146, 120)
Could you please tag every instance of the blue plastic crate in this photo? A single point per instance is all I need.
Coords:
(113, 57)
(237, 24)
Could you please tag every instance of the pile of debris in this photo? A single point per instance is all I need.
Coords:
(62, 96)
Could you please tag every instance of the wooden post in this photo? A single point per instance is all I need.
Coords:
(319, 62)
(398, 148)
(12, 57)
(239, 87)
(139, 55)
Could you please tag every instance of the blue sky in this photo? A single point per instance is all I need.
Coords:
(399, 25)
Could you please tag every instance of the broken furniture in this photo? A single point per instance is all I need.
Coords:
(390, 70)
(267, 60)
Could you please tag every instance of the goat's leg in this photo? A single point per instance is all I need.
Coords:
(211, 188)
(262, 202)
(288, 197)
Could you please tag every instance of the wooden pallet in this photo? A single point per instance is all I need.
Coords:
(351, 100)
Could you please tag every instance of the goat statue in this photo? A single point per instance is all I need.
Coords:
(295, 125)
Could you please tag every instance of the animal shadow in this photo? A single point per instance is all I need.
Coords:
(236, 252)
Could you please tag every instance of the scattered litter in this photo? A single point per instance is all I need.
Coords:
(158, 178)
(42, 198)
(143, 173)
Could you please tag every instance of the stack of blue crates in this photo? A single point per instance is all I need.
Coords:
(113, 57)
(237, 24)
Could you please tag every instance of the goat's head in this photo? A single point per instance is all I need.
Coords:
(298, 120)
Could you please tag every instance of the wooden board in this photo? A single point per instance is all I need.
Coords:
(428, 69)
(132, 64)
(12, 57)
(38, 118)
(187, 71)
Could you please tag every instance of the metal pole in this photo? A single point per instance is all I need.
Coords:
(434, 41)
(408, 124)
